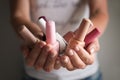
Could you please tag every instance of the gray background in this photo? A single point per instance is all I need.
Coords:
(11, 67)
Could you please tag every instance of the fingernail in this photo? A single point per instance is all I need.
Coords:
(53, 54)
(66, 60)
(77, 48)
(70, 52)
(92, 50)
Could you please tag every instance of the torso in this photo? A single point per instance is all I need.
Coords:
(61, 11)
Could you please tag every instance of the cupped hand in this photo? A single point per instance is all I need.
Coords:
(79, 57)
(41, 56)
(77, 54)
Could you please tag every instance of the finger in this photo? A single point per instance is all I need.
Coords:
(68, 35)
(50, 61)
(30, 58)
(93, 47)
(75, 59)
(73, 43)
(83, 29)
(42, 57)
(85, 56)
(25, 50)
(57, 64)
(34, 53)
(67, 63)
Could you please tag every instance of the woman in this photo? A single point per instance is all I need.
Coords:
(67, 14)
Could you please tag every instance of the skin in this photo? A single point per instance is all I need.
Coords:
(43, 55)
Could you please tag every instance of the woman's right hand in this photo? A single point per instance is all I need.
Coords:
(41, 56)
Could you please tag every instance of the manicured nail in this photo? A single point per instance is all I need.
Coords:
(92, 50)
(66, 60)
(70, 52)
(53, 54)
(77, 48)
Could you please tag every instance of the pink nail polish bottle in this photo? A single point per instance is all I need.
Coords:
(51, 34)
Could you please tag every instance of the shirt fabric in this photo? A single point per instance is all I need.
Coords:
(67, 15)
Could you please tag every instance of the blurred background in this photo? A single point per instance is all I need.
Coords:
(11, 67)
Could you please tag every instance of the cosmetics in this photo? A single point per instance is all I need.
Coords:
(83, 29)
(48, 27)
(91, 36)
(27, 36)
(51, 34)
(81, 37)
(80, 34)
(42, 23)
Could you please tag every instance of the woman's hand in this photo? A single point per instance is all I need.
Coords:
(41, 56)
(78, 54)
(78, 57)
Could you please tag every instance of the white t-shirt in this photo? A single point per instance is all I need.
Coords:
(67, 14)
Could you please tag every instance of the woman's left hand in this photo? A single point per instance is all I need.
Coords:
(78, 57)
